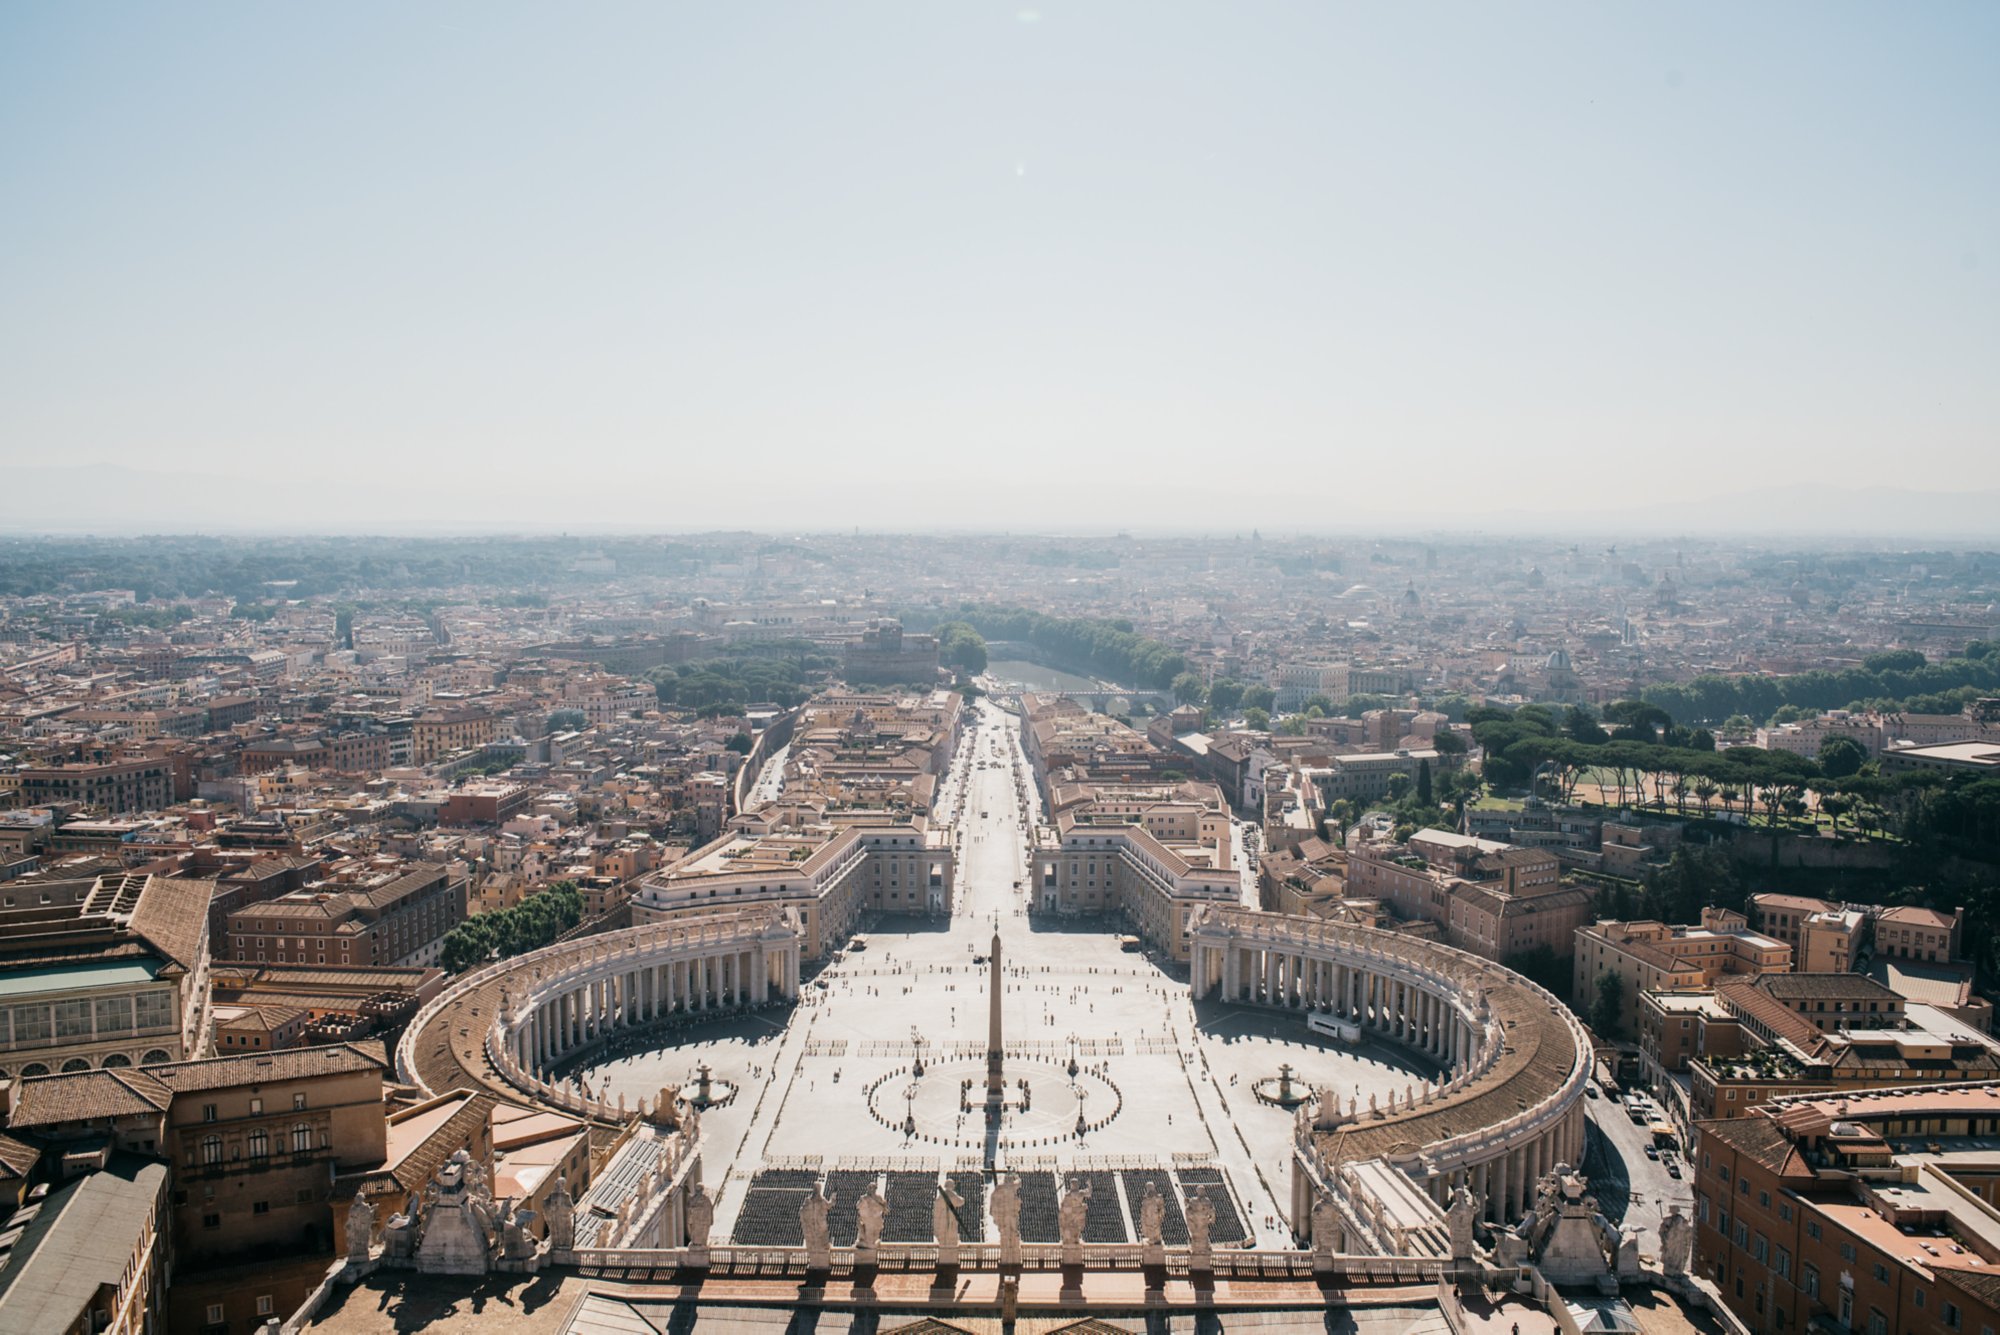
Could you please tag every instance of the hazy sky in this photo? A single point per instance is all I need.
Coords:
(993, 265)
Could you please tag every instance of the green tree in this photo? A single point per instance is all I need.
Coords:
(1257, 720)
(1188, 689)
(1259, 697)
(1607, 1008)
(1425, 797)
(961, 647)
(1841, 757)
(739, 742)
(1541, 964)
(1225, 695)
(567, 720)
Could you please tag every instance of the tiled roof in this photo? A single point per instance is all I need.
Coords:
(52, 1100)
(1823, 987)
(1757, 1137)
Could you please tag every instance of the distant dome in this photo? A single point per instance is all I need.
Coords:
(1559, 661)
(1356, 590)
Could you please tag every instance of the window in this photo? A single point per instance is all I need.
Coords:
(208, 1112)
(1809, 1280)
(1920, 1298)
(301, 1138)
(263, 1304)
(1764, 1199)
(1847, 1252)
(215, 1314)
(1881, 1273)
(211, 1221)
(114, 1015)
(260, 1144)
(256, 1107)
(260, 1207)
(1812, 1229)
(1951, 1315)
(1784, 1212)
(211, 1149)
(1723, 1172)
(1784, 1264)
(1877, 1323)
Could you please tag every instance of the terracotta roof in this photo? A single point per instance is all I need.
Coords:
(1757, 1138)
(52, 1100)
(173, 916)
(1910, 915)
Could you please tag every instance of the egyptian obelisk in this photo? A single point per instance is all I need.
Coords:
(994, 1091)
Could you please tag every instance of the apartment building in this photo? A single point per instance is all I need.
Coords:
(399, 920)
(1911, 933)
(1868, 1212)
(438, 733)
(112, 786)
(1809, 1033)
(1654, 957)
(1490, 898)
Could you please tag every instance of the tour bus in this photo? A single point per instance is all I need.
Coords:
(1127, 943)
(1329, 1025)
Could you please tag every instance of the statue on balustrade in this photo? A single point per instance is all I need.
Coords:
(944, 1222)
(1325, 1224)
(1200, 1222)
(360, 1228)
(1071, 1214)
(562, 1218)
(700, 1219)
(1006, 1206)
(1152, 1217)
(868, 1215)
(812, 1222)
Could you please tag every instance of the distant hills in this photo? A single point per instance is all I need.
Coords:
(122, 500)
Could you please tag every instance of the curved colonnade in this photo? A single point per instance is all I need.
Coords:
(511, 1025)
(1507, 1108)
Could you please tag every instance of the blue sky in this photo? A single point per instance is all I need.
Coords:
(1194, 264)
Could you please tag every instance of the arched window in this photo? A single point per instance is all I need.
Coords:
(116, 1059)
(33, 1068)
(211, 1149)
(155, 1057)
(75, 1064)
(260, 1144)
(302, 1138)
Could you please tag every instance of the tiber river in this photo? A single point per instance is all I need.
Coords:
(1035, 677)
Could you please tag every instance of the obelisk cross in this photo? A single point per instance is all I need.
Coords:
(994, 1089)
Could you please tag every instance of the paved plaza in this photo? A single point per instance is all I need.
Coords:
(832, 1080)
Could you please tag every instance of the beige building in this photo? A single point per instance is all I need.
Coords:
(1155, 852)
(1491, 898)
(1910, 933)
(1648, 957)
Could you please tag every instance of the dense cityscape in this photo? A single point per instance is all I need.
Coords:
(587, 920)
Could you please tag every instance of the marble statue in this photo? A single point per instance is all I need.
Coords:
(1200, 1220)
(1070, 1216)
(1325, 1224)
(1152, 1216)
(1676, 1241)
(399, 1236)
(1005, 1203)
(944, 1222)
(518, 1243)
(690, 1122)
(868, 1214)
(812, 1221)
(562, 1218)
(700, 1219)
(1459, 1221)
(360, 1228)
